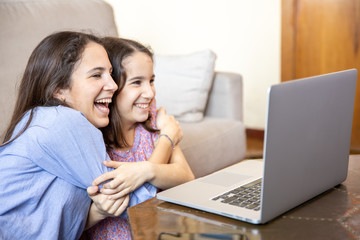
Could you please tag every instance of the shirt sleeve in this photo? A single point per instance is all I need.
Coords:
(69, 147)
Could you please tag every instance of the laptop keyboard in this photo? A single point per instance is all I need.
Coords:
(246, 196)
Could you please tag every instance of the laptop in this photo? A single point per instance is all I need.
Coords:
(306, 151)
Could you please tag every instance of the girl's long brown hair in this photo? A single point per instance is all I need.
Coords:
(119, 49)
(49, 68)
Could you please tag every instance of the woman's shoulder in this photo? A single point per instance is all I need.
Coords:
(58, 121)
(46, 125)
(57, 117)
(59, 114)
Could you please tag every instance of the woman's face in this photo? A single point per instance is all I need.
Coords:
(133, 102)
(92, 86)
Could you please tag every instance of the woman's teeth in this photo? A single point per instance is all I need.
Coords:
(105, 100)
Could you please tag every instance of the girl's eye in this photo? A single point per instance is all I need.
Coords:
(152, 81)
(136, 82)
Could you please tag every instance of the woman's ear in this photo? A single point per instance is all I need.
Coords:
(60, 94)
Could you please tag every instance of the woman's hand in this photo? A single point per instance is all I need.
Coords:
(169, 126)
(103, 207)
(126, 178)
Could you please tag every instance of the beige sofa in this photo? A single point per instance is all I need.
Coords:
(211, 143)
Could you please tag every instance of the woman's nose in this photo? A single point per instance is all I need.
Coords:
(110, 84)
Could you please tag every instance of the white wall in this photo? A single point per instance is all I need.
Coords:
(244, 34)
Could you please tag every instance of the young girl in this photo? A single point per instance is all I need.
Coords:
(131, 135)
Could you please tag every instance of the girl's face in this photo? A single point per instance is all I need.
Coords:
(92, 86)
(133, 102)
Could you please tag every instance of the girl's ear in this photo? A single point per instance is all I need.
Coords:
(60, 94)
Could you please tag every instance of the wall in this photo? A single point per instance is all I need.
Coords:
(245, 35)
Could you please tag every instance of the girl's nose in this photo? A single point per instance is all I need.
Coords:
(149, 91)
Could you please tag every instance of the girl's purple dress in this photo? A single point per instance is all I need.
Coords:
(118, 228)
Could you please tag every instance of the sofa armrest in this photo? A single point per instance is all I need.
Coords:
(226, 97)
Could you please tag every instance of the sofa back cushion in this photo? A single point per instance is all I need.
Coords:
(183, 83)
(24, 23)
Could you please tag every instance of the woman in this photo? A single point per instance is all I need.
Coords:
(53, 149)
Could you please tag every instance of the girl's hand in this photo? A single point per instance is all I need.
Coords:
(126, 178)
(169, 126)
(103, 207)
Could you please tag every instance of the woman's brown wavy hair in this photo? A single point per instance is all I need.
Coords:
(49, 68)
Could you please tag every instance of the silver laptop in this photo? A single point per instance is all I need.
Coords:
(306, 150)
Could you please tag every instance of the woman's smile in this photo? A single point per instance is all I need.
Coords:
(103, 105)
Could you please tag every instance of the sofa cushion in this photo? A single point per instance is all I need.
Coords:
(183, 83)
(213, 144)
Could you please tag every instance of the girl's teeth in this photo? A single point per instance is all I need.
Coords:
(142, 105)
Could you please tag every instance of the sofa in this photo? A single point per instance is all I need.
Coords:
(210, 111)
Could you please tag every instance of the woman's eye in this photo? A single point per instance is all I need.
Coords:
(96, 75)
(152, 81)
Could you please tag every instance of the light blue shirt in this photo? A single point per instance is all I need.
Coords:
(44, 174)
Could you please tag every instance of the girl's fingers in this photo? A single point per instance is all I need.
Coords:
(109, 191)
(114, 184)
(161, 110)
(112, 164)
(109, 175)
(161, 113)
(104, 177)
(120, 194)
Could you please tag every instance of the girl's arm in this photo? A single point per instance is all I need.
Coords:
(163, 147)
(169, 175)
(102, 206)
(163, 176)
(177, 171)
(129, 176)
(165, 168)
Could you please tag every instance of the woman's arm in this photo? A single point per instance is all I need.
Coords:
(75, 147)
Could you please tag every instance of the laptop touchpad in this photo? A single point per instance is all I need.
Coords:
(225, 179)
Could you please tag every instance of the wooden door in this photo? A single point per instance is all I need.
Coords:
(322, 36)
